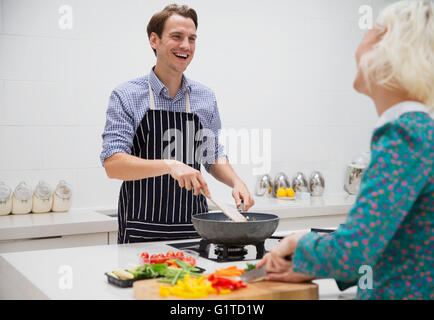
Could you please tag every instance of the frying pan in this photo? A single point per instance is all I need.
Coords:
(218, 229)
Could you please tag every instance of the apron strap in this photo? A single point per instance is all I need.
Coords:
(151, 97)
(152, 102)
(187, 102)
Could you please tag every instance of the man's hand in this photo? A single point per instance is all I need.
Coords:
(240, 192)
(188, 177)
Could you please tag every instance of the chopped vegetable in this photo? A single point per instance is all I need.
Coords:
(189, 288)
(222, 284)
(250, 266)
(112, 274)
(147, 271)
(163, 258)
(174, 274)
(232, 271)
(123, 274)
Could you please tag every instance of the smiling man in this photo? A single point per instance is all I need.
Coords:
(160, 128)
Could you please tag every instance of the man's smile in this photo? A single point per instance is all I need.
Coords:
(181, 55)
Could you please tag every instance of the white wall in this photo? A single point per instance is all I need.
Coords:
(282, 65)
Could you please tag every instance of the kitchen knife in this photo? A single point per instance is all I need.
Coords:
(258, 274)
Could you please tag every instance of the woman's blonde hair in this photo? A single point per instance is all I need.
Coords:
(404, 57)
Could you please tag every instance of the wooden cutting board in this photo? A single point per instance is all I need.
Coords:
(262, 290)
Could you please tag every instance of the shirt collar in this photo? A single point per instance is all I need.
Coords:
(399, 109)
(159, 86)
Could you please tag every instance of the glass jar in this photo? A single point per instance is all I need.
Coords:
(62, 197)
(22, 199)
(42, 198)
(5, 199)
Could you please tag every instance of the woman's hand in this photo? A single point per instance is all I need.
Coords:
(277, 267)
(241, 193)
(288, 276)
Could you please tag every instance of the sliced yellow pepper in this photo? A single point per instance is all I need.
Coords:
(189, 288)
(225, 291)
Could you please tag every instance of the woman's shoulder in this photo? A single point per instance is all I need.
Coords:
(409, 127)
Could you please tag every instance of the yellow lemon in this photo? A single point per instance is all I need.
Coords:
(290, 192)
(281, 192)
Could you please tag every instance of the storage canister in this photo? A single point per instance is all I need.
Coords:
(22, 199)
(5, 199)
(42, 198)
(62, 197)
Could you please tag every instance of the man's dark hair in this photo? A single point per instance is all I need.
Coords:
(156, 24)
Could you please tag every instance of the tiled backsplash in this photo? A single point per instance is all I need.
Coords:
(287, 66)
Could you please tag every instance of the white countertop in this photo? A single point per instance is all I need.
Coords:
(327, 204)
(91, 220)
(37, 225)
(40, 274)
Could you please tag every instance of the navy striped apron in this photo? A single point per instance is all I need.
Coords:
(157, 208)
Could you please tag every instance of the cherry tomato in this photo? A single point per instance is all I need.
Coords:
(144, 258)
(154, 258)
(190, 260)
(179, 254)
(170, 254)
(145, 255)
(161, 258)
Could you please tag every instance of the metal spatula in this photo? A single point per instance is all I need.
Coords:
(230, 212)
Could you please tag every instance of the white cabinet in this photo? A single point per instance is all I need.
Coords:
(113, 237)
(66, 241)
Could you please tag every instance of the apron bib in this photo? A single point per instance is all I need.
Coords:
(156, 208)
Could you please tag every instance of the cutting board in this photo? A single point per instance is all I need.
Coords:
(262, 290)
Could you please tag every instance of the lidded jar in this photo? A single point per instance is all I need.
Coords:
(62, 197)
(5, 199)
(42, 198)
(22, 199)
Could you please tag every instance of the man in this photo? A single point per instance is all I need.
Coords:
(159, 129)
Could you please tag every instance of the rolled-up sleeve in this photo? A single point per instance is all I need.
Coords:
(119, 128)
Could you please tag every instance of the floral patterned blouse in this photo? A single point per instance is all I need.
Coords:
(386, 244)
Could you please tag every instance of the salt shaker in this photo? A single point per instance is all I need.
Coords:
(62, 197)
(42, 198)
(22, 199)
(5, 199)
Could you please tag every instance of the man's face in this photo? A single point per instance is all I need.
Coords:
(176, 47)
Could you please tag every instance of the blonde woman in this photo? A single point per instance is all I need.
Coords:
(389, 230)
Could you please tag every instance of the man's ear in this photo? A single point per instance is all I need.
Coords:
(153, 38)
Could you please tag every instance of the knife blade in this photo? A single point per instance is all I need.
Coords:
(254, 275)
(258, 274)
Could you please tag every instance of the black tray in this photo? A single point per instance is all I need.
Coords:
(129, 283)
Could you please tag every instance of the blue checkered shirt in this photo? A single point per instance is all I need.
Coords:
(130, 101)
